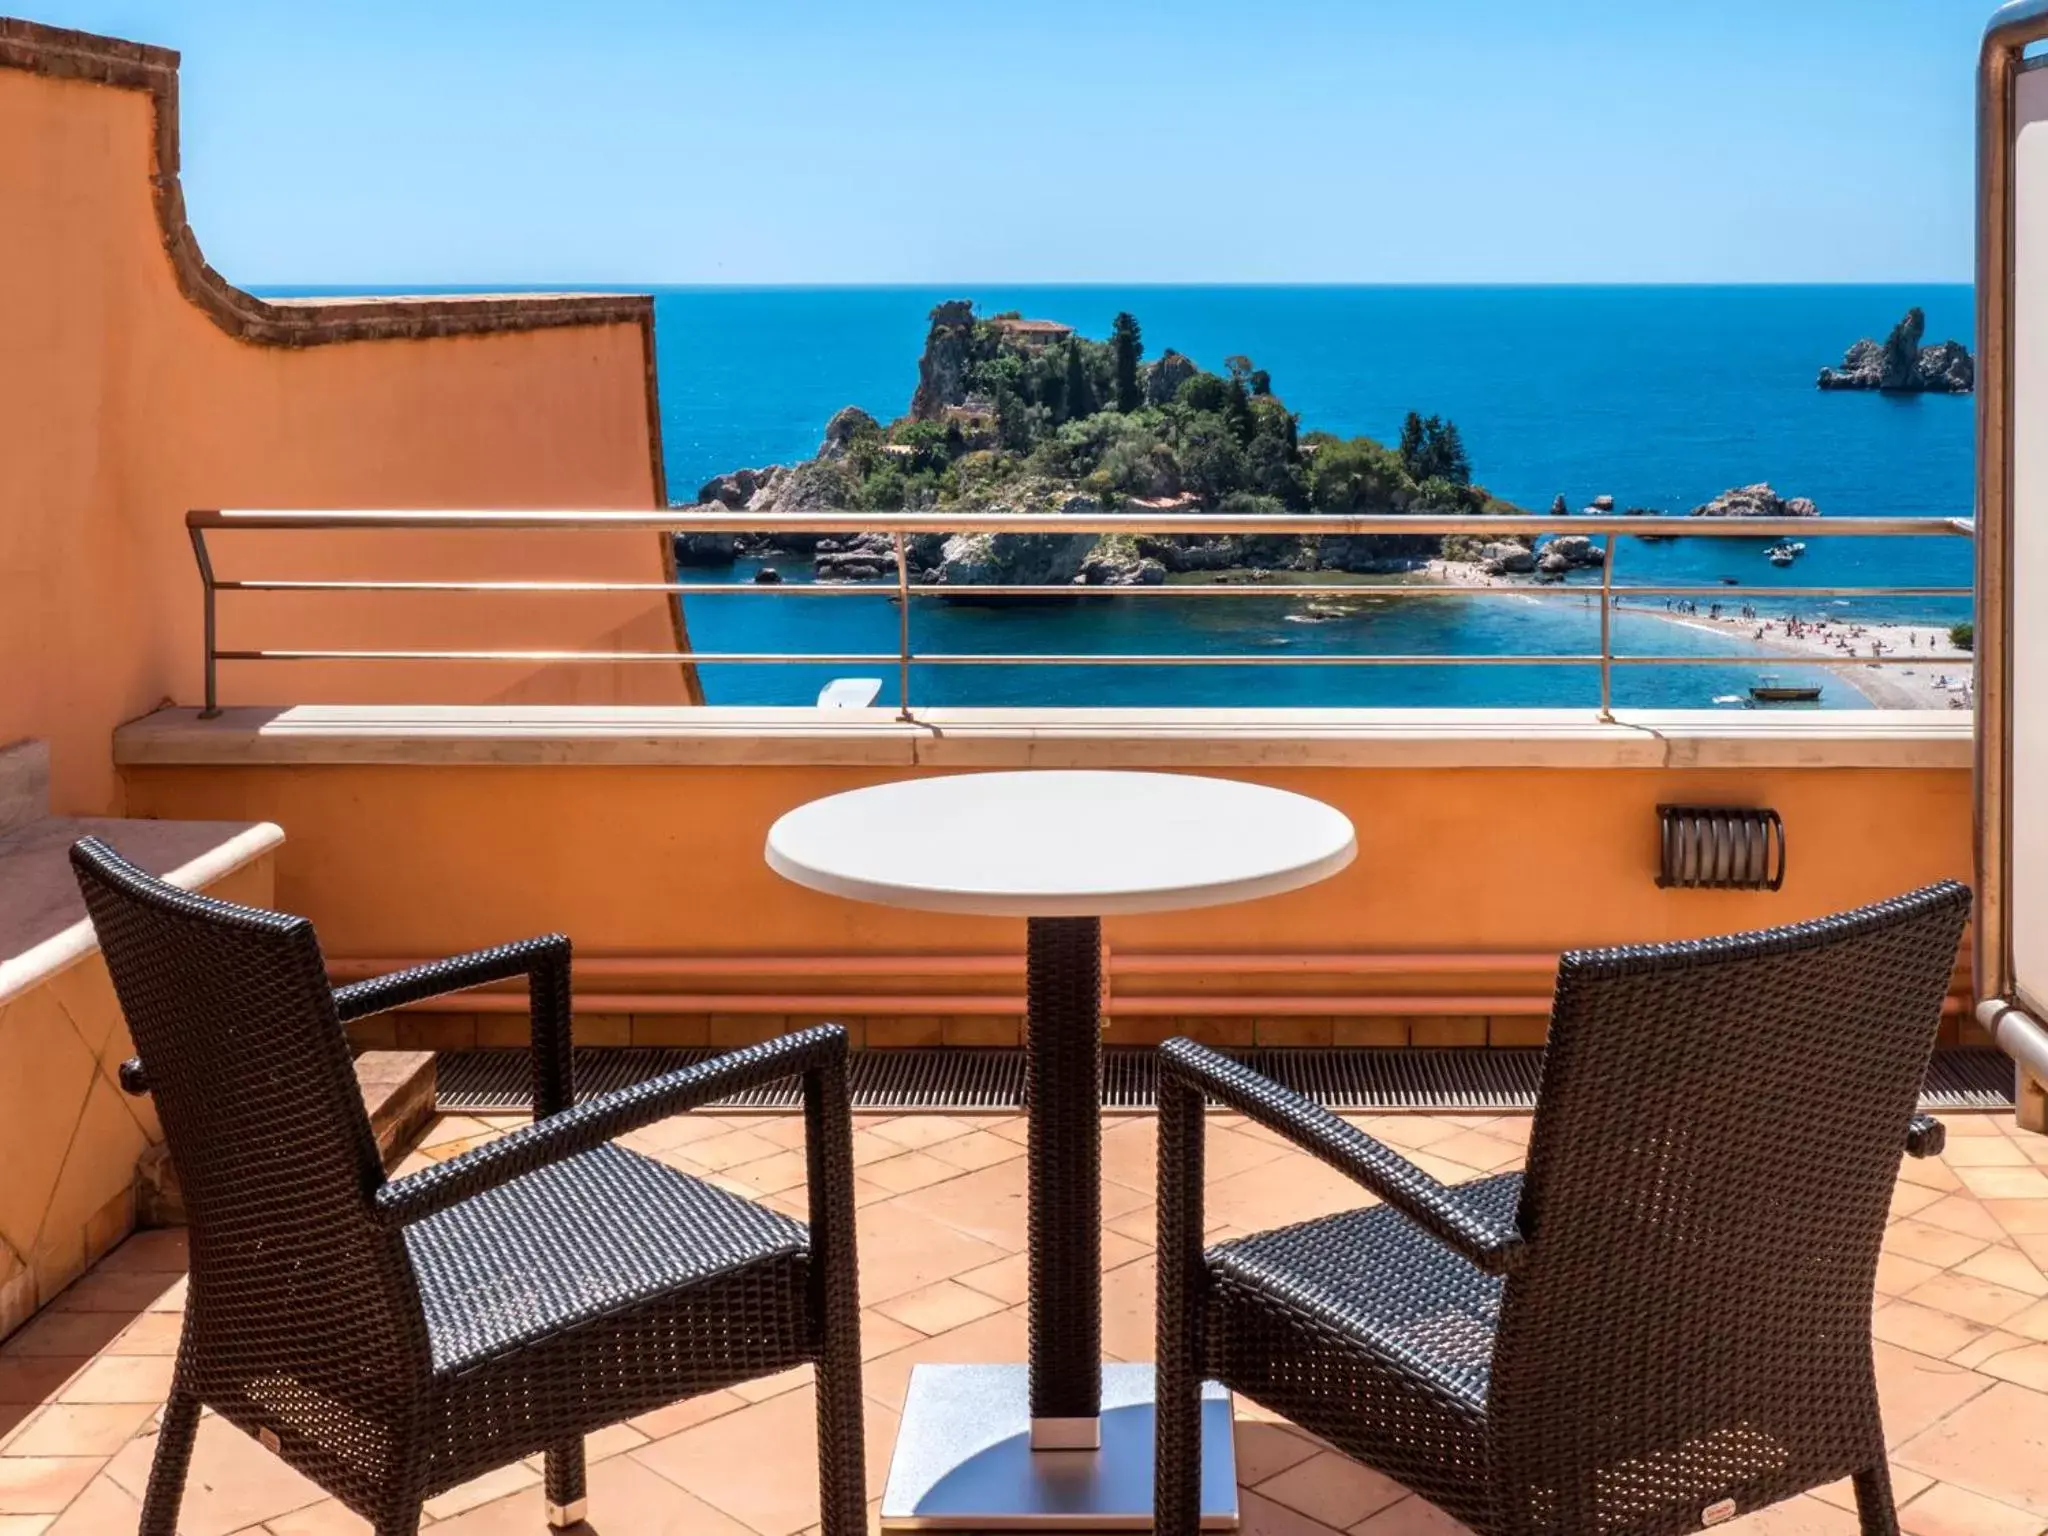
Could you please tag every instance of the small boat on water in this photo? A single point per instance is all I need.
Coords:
(1768, 690)
(1784, 553)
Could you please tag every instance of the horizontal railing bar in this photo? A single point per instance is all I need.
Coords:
(1172, 589)
(1017, 659)
(1199, 524)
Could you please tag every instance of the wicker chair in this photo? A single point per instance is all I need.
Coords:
(392, 1338)
(1666, 1321)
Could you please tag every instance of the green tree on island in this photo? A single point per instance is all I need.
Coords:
(1128, 343)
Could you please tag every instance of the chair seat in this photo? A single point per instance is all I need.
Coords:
(594, 1236)
(1376, 1279)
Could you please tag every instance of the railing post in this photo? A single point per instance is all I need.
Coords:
(1607, 630)
(212, 659)
(902, 628)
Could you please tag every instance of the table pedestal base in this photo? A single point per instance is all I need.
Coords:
(964, 1459)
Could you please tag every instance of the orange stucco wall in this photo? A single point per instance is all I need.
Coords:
(415, 861)
(123, 404)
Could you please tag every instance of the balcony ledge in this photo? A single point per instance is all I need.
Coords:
(596, 736)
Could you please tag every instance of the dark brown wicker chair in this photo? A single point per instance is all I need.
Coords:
(391, 1339)
(1666, 1321)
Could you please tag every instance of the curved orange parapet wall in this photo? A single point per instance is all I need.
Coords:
(135, 384)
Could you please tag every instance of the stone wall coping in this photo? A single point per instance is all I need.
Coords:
(43, 926)
(643, 736)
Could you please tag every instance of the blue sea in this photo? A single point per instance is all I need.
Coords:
(1659, 397)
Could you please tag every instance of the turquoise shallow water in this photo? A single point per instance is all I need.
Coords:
(1661, 397)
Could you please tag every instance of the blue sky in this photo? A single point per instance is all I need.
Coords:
(863, 141)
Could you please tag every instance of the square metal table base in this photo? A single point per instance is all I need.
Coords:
(964, 1459)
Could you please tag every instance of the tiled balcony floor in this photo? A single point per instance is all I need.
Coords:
(1962, 1325)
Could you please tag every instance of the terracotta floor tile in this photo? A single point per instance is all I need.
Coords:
(1267, 1517)
(104, 1509)
(163, 1250)
(1897, 1274)
(25, 1525)
(1000, 1338)
(234, 1483)
(1333, 1489)
(1995, 1445)
(1995, 1342)
(73, 1334)
(976, 1150)
(329, 1517)
(121, 1379)
(663, 1422)
(729, 1150)
(43, 1485)
(914, 1131)
(1944, 1510)
(909, 1170)
(2026, 1364)
(2020, 1218)
(1410, 1517)
(761, 1388)
(2008, 1267)
(1923, 1330)
(936, 1308)
(1803, 1516)
(35, 1379)
(1008, 1279)
(1266, 1450)
(153, 1333)
(126, 1292)
(1915, 1392)
(2005, 1183)
(84, 1429)
(1930, 1244)
(1929, 1173)
(2032, 1323)
(626, 1499)
(903, 1249)
(494, 1484)
(773, 1174)
(720, 1462)
(1964, 1296)
(1906, 1483)
(1964, 1213)
(1983, 1152)
(1130, 1312)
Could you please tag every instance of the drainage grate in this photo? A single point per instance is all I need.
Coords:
(1455, 1081)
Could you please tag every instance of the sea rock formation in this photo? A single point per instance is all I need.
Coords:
(942, 367)
(1164, 377)
(1505, 559)
(1603, 504)
(1756, 501)
(1901, 365)
(1569, 552)
(1560, 507)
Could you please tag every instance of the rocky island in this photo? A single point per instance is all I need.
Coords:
(1021, 415)
(1901, 365)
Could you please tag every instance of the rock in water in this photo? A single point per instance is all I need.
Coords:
(1603, 504)
(1900, 365)
(1560, 507)
(1756, 501)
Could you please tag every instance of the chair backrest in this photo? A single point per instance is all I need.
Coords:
(1713, 1159)
(295, 1287)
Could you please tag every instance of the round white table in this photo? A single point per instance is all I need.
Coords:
(1062, 850)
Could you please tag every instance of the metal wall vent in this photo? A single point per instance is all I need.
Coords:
(989, 1080)
(1721, 848)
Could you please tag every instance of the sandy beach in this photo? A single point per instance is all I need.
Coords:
(1935, 676)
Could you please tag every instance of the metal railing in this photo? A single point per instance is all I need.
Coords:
(900, 528)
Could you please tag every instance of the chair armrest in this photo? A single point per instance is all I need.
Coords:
(606, 1117)
(544, 962)
(380, 994)
(1438, 1209)
(1925, 1137)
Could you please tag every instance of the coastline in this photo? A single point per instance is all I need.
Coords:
(1885, 686)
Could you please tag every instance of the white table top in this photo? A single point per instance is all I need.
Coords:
(1061, 844)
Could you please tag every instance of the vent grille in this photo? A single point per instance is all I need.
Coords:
(1490, 1081)
(1720, 848)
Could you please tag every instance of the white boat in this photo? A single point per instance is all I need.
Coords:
(1783, 554)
